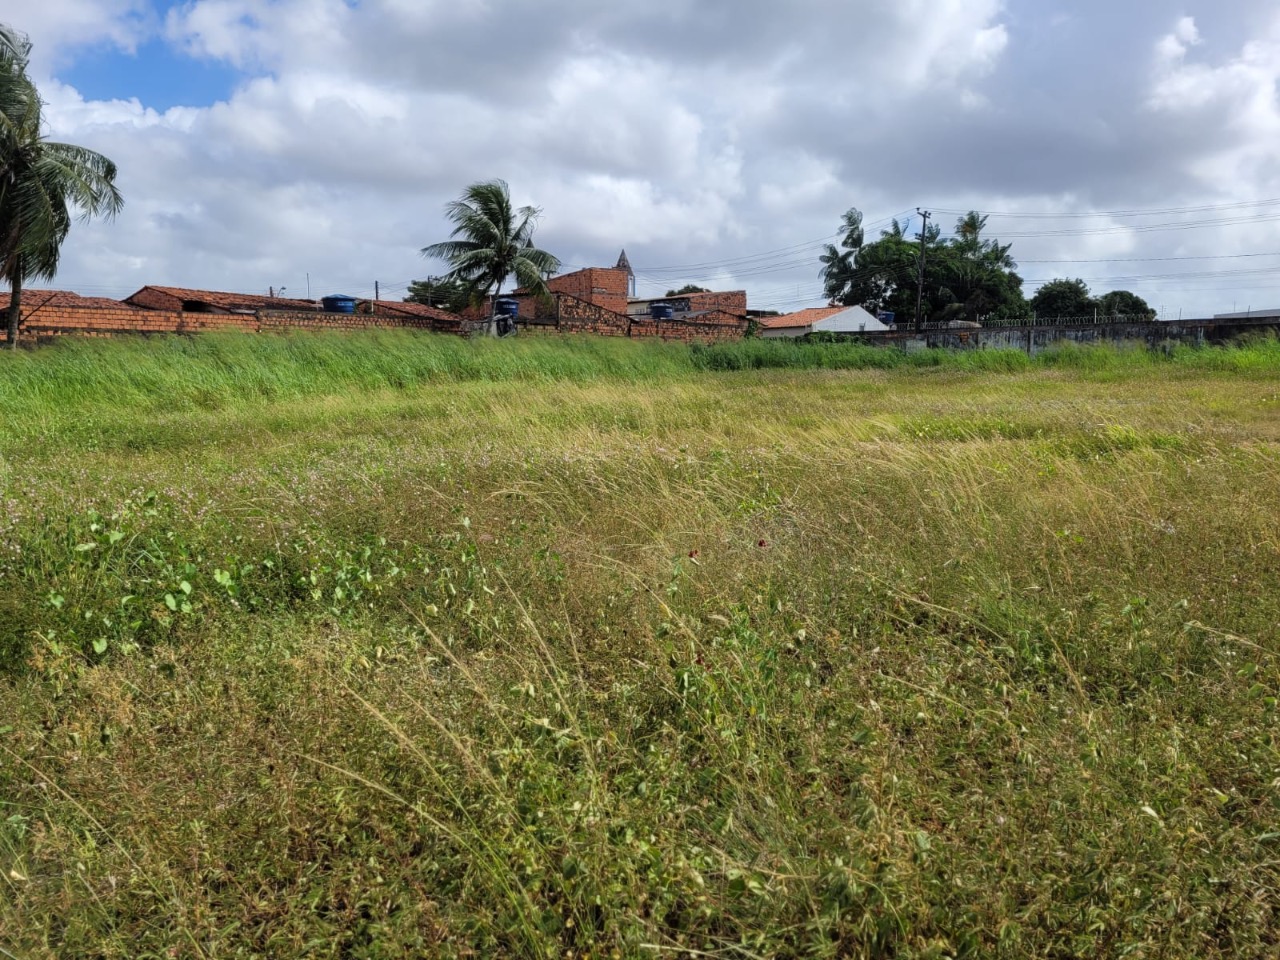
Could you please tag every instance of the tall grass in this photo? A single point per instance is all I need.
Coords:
(210, 370)
(639, 663)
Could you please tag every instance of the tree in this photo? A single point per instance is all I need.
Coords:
(1122, 303)
(41, 181)
(965, 277)
(688, 288)
(442, 292)
(492, 241)
(1064, 298)
(838, 269)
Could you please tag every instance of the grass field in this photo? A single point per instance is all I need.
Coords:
(381, 646)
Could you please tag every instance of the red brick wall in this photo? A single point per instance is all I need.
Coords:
(572, 315)
(579, 316)
(52, 321)
(603, 286)
(730, 301)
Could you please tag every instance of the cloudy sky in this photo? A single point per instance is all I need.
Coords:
(1133, 143)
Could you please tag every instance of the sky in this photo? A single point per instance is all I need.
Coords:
(310, 145)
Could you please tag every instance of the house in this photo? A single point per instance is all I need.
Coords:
(728, 301)
(213, 301)
(36, 300)
(847, 320)
(1250, 315)
(441, 321)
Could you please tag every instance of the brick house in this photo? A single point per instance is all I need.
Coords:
(181, 299)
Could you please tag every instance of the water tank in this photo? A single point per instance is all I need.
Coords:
(885, 317)
(338, 303)
(661, 311)
(506, 307)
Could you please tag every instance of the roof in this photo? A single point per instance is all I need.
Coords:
(234, 301)
(1248, 315)
(34, 299)
(801, 318)
(625, 264)
(410, 309)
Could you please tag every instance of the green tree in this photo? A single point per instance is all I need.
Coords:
(491, 240)
(444, 293)
(1064, 298)
(688, 288)
(42, 182)
(966, 276)
(838, 271)
(1122, 303)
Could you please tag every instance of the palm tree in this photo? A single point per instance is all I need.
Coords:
(41, 182)
(839, 271)
(491, 241)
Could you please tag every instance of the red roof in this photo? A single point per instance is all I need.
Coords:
(34, 299)
(801, 318)
(408, 309)
(246, 302)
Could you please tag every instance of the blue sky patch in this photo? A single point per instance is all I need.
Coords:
(159, 75)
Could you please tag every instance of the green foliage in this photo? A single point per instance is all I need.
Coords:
(383, 646)
(42, 182)
(445, 293)
(688, 288)
(1122, 303)
(966, 277)
(492, 240)
(1064, 298)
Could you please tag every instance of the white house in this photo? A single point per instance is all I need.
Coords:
(822, 319)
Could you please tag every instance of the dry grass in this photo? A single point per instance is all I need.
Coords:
(909, 663)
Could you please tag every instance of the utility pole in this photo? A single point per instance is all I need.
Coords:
(924, 230)
(376, 296)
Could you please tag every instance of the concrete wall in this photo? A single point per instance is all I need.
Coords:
(1034, 339)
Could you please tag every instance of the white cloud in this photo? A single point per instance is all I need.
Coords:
(684, 130)
(1235, 104)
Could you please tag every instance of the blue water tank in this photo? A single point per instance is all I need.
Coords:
(885, 317)
(338, 303)
(506, 307)
(661, 311)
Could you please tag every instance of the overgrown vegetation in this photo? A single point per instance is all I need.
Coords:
(392, 646)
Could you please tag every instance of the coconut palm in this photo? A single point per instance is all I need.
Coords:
(41, 181)
(491, 241)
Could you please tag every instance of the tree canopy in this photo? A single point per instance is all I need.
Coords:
(444, 293)
(688, 288)
(42, 182)
(1071, 298)
(966, 277)
(492, 240)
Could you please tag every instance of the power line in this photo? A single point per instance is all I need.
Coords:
(1153, 211)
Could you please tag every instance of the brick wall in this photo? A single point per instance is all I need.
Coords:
(579, 316)
(603, 286)
(570, 315)
(51, 321)
(730, 301)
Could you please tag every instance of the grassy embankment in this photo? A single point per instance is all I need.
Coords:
(394, 646)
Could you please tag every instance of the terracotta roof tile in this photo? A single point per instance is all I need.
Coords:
(801, 318)
(34, 299)
(236, 301)
(408, 309)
